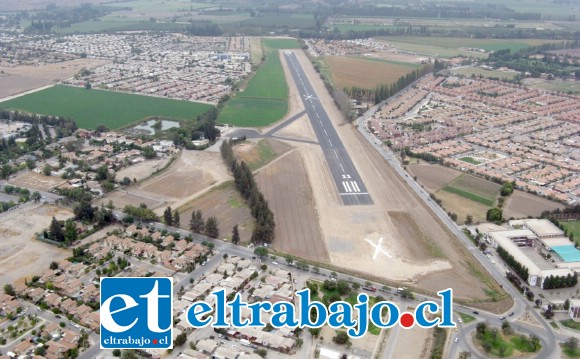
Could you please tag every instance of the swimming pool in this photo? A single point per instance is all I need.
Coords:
(568, 253)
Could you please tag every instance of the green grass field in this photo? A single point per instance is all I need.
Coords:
(469, 160)
(265, 99)
(90, 108)
(572, 227)
(469, 195)
(160, 5)
(506, 344)
(119, 24)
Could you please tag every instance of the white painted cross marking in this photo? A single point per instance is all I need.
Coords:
(378, 248)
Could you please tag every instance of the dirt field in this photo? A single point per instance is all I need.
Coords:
(16, 80)
(433, 177)
(285, 185)
(187, 178)
(522, 204)
(142, 170)
(20, 254)
(366, 239)
(36, 181)
(413, 343)
(462, 206)
(257, 153)
(225, 203)
(364, 73)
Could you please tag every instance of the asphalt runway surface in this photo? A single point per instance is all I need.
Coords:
(350, 187)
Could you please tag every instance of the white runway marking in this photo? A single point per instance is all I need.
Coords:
(355, 186)
(325, 132)
(342, 168)
(378, 248)
(329, 141)
(350, 194)
(335, 154)
(346, 186)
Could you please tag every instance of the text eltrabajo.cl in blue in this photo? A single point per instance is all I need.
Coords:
(338, 315)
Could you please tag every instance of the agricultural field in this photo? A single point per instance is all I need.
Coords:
(265, 98)
(225, 203)
(522, 204)
(553, 85)
(365, 72)
(474, 188)
(290, 21)
(433, 177)
(450, 47)
(91, 108)
(479, 72)
(119, 25)
(158, 5)
(285, 185)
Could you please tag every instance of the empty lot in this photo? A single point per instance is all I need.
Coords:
(21, 255)
(36, 181)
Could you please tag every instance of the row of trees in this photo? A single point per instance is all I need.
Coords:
(520, 270)
(556, 282)
(171, 218)
(244, 179)
(207, 227)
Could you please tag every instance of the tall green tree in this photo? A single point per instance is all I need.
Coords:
(55, 231)
(235, 235)
(211, 227)
(176, 219)
(197, 223)
(168, 216)
(70, 231)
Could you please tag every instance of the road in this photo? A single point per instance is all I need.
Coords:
(550, 347)
(350, 186)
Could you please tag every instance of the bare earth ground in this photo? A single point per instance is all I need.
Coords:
(359, 72)
(18, 79)
(188, 177)
(248, 152)
(20, 254)
(142, 170)
(363, 346)
(225, 203)
(36, 181)
(413, 343)
(285, 185)
(353, 233)
(523, 204)
(433, 177)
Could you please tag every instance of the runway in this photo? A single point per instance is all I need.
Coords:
(349, 184)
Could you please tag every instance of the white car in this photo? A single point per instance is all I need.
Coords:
(456, 340)
(275, 263)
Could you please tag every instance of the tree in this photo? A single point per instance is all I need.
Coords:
(469, 219)
(55, 231)
(211, 227)
(47, 170)
(261, 252)
(168, 216)
(36, 196)
(235, 235)
(571, 344)
(197, 223)
(9, 289)
(176, 219)
(70, 231)
(53, 265)
(340, 338)
(481, 327)
(180, 339)
(116, 353)
(494, 214)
